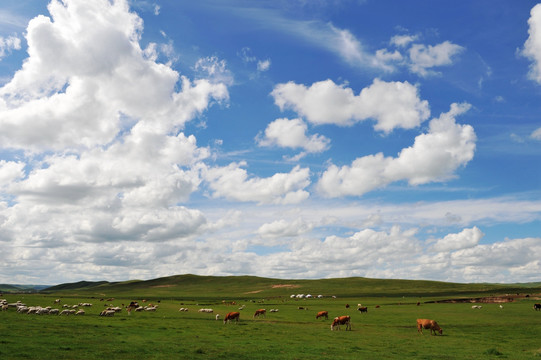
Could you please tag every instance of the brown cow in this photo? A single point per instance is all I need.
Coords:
(133, 305)
(260, 312)
(363, 309)
(341, 320)
(232, 316)
(537, 307)
(322, 314)
(428, 324)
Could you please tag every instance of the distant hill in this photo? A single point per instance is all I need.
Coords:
(76, 286)
(236, 287)
(16, 288)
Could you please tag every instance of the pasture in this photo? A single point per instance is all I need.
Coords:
(385, 332)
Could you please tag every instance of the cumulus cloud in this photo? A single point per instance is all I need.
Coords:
(283, 228)
(98, 121)
(78, 98)
(467, 238)
(292, 134)
(233, 182)
(391, 104)
(424, 57)
(532, 46)
(10, 171)
(434, 156)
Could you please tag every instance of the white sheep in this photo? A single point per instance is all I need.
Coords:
(42, 311)
(107, 312)
(217, 316)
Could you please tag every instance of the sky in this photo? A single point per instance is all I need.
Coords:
(289, 139)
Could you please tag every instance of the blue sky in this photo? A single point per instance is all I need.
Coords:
(285, 139)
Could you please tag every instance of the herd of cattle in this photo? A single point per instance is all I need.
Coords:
(427, 324)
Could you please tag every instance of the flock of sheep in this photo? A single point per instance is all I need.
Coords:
(68, 309)
(47, 310)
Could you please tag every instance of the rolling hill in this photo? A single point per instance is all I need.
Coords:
(236, 287)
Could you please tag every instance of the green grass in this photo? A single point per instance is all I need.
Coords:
(388, 332)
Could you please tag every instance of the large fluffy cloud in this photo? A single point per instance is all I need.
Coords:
(98, 121)
(391, 104)
(434, 156)
(292, 134)
(85, 73)
(233, 182)
(532, 46)
(467, 238)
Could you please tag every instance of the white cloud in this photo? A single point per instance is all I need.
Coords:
(282, 228)
(8, 44)
(391, 104)
(536, 134)
(434, 156)
(403, 40)
(233, 182)
(263, 65)
(10, 171)
(467, 238)
(341, 42)
(77, 99)
(532, 46)
(292, 134)
(424, 57)
(103, 157)
(215, 69)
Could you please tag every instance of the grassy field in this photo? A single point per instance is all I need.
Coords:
(386, 332)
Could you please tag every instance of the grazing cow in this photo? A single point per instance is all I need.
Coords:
(322, 314)
(232, 316)
(341, 320)
(260, 312)
(133, 305)
(428, 324)
(537, 307)
(347, 306)
(363, 309)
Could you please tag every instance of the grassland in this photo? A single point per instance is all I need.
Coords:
(385, 332)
